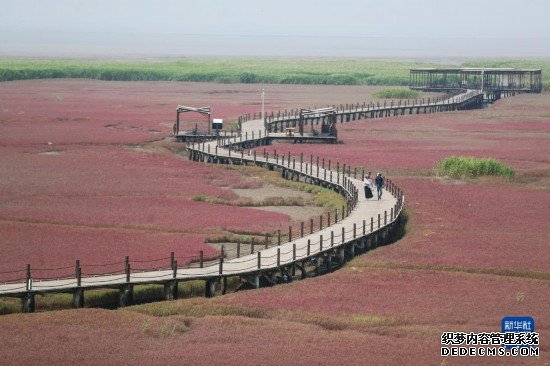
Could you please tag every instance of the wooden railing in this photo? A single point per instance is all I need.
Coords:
(463, 99)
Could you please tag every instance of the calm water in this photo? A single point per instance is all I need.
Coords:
(147, 45)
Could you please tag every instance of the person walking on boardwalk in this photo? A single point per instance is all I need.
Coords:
(379, 184)
(368, 187)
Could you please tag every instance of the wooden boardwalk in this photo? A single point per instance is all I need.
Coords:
(358, 227)
(191, 136)
(466, 99)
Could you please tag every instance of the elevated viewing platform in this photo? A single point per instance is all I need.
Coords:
(490, 80)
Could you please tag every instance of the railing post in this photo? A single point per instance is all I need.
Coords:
(259, 260)
(238, 249)
(311, 226)
(171, 259)
(364, 227)
(332, 238)
(308, 247)
(278, 257)
(279, 237)
(385, 217)
(201, 259)
(317, 167)
(252, 242)
(302, 229)
(78, 272)
(320, 222)
(127, 269)
(290, 233)
(371, 224)
(266, 241)
(294, 252)
(343, 235)
(379, 221)
(354, 230)
(320, 242)
(175, 271)
(29, 277)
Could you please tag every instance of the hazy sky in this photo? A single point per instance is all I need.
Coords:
(388, 18)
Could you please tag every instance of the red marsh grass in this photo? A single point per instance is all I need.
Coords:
(423, 282)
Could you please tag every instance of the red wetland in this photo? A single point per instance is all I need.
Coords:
(87, 172)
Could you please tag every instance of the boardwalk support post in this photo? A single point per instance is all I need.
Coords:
(28, 303)
(222, 254)
(126, 295)
(78, 298)
(303, 271)
(170, 290)
(78, 293)
(224, 285)
(209, 288)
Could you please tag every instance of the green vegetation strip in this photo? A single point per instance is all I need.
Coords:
(334, 72)
(397, 94)
(321, 197)
(468, 167)
(103, 297)
(520, 273)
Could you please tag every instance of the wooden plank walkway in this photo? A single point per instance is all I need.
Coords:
(364, 225)
(466, 100)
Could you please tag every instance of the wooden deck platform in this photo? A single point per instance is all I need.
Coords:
(194, 136)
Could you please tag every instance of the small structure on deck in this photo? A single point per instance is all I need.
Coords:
(214, 126)
(326, 115)
(494, 82)
(292, 128)
(217, 124)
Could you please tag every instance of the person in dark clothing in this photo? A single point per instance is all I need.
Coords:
(379, 181)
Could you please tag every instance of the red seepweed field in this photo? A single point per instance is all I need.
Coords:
(80, 179)
(87, 174)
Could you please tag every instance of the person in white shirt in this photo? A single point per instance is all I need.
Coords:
(368, 186)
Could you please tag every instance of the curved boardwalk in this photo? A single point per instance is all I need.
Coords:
(358, 227)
